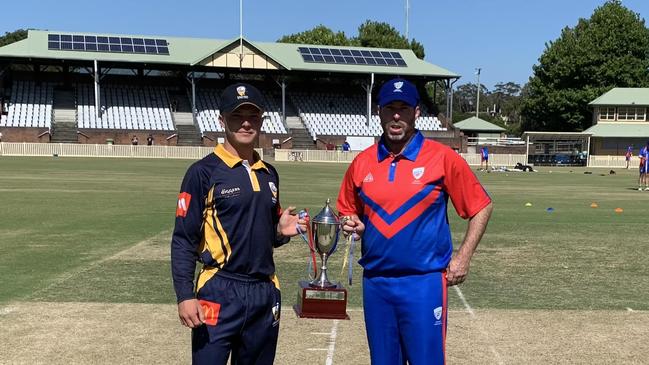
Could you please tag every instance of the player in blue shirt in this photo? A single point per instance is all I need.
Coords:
(484, 158)
(229, 219)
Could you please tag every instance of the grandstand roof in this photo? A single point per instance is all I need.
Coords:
(623, 96)
(192, 52)
(477, 124)
(625, 129)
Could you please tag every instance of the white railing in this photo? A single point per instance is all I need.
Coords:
(314, 156)
(612, 161)
(105, 150)
(473, 159)
(346, 157)
(513, 141)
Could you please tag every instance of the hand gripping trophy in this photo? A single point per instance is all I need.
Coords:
(320, 298)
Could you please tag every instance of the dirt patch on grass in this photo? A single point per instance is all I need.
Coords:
(99, 333)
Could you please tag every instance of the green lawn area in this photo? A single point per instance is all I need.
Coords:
(66, 226)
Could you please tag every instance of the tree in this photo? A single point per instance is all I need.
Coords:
(12, 37)
(610, 49)
(370, 34)
(319, 35)
(383, 35)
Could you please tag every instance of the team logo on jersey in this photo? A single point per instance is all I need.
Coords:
(277, 312)
(437, 312)
(273, 190)
(210, 311)
(418, 172)
(397, 87)
(183, 204)
(368, 178)
(438, 315)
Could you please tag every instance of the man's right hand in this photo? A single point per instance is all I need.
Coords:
(354, 226)
(191, 313)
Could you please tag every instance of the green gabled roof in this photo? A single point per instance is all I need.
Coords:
(477, 124)
(288, 55)
(624, 96)
(191, 51)
(626, 129)
(181, 50)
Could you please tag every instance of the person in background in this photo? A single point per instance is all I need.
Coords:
(484, 158)
(346, 146)
(627, 155)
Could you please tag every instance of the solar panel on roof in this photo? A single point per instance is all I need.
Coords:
(351, 57)
(91, 43)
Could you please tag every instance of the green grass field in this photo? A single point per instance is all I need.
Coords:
(97, 231)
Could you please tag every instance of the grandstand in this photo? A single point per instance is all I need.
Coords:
(99, 88)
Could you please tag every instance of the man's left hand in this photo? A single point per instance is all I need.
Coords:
(288, 222)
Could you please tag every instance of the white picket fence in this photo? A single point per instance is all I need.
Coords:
(195, 153)
(104, 150)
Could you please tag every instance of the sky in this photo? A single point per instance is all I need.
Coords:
(504, 38)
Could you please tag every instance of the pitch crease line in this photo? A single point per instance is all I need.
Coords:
(482, 331)
(332, 343)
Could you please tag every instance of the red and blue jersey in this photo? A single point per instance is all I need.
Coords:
(402, 200)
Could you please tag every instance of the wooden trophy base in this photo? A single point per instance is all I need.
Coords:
(325, 303)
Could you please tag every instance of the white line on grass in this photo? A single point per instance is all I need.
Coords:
(6, 310)
(463, 299)
(332, 342)
(482, 331)
(75, 272)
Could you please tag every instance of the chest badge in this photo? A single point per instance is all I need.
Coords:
(368, 178)
(418, 172)
(273, 190)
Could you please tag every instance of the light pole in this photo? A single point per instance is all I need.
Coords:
(407, 16)
(477, 102)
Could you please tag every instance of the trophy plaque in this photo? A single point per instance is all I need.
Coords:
(321, 298)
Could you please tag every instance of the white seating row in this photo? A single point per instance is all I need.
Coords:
(207, 113)
(339, 114)
(30, 105)
(125, 107)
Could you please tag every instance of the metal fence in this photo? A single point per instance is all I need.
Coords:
(105, 150)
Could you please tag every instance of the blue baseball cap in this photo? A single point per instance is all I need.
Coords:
(398, 90)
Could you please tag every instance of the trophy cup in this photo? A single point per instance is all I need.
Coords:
(321, 298)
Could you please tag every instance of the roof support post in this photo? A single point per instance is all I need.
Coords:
(193, 97)
(368, 92)
(527, 150)
(588, 152)
(283, 85)
(97, 91)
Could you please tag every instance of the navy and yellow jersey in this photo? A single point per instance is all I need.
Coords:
(226, 218)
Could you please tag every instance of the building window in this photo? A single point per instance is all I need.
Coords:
(631, 114)
(607, 113)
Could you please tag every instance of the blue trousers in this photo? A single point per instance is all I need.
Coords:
(247, 325)
(405, 318)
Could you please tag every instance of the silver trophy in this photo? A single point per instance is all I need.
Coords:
(325, 228)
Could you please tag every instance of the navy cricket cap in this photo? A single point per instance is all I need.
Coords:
(398, 90)
(240, 94)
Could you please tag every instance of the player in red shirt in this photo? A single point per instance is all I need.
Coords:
(394, 195)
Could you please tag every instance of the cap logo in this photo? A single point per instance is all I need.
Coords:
(397, 87)
(241, 90)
